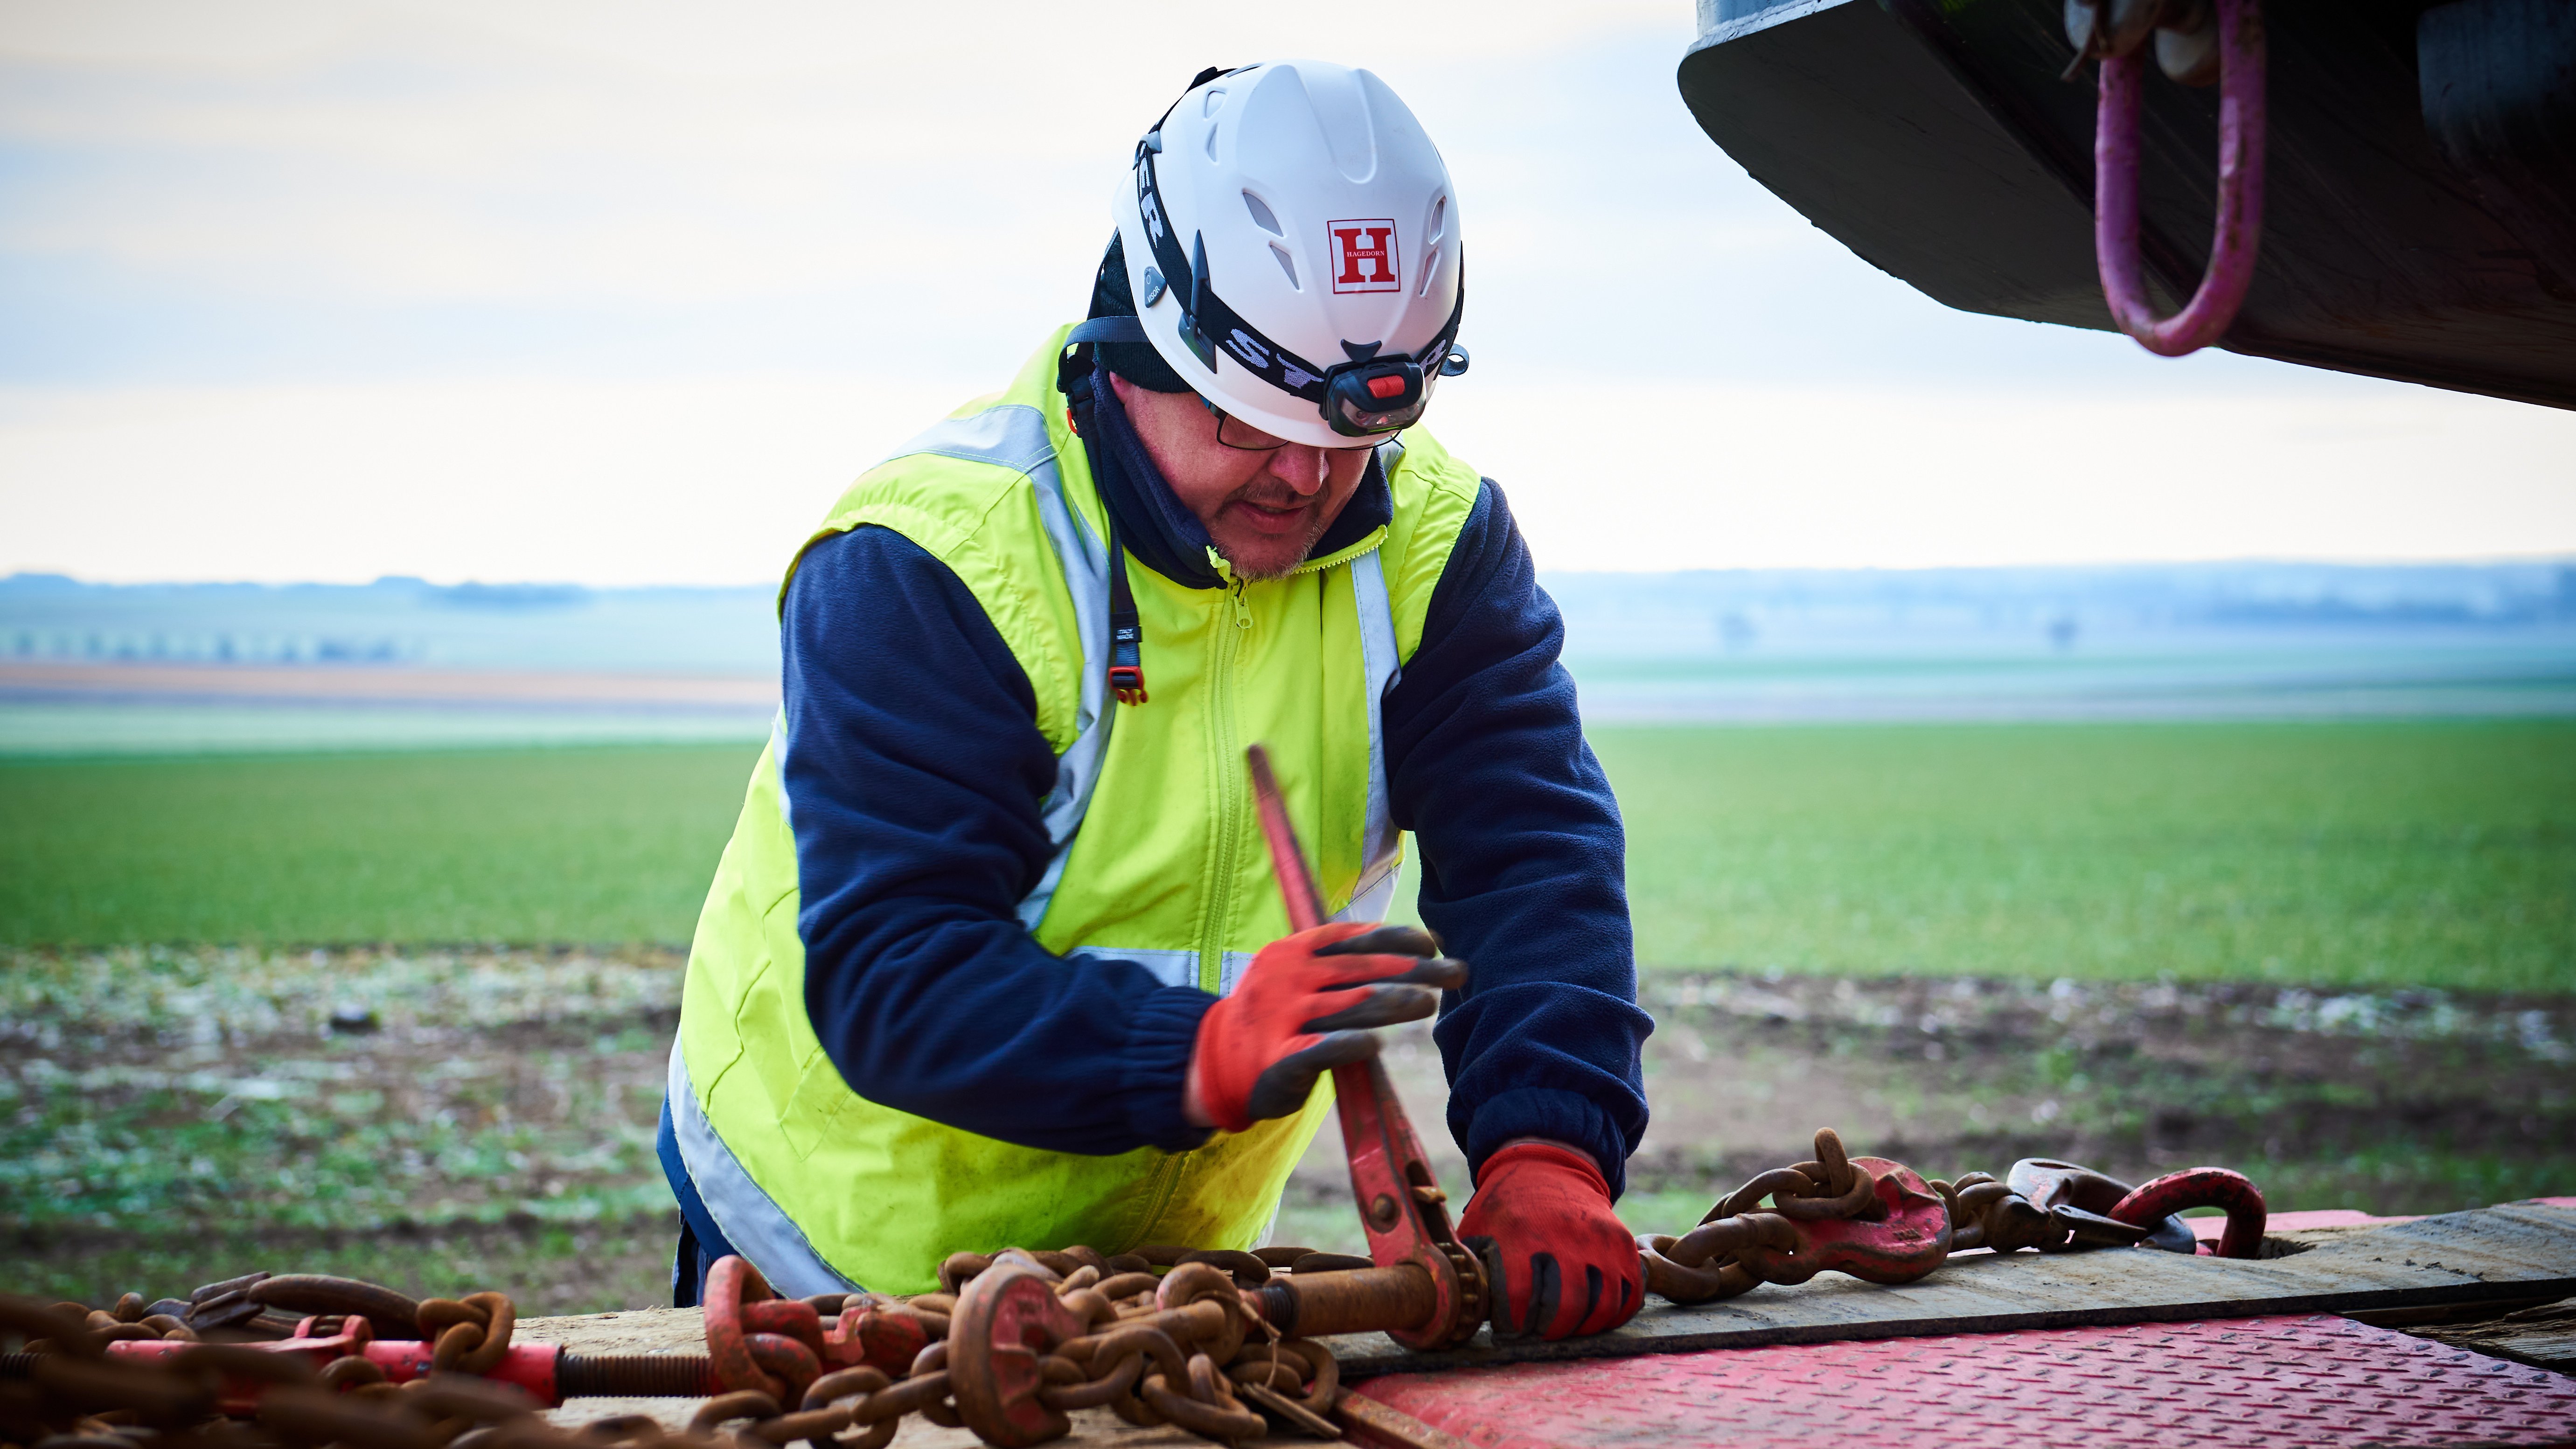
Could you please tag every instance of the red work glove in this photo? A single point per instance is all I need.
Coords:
(1560, 1262)
(1303, 1008)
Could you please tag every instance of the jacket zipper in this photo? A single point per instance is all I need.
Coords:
(1226, 783)
(1221, 653)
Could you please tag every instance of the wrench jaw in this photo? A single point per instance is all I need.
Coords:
(1400, 1201)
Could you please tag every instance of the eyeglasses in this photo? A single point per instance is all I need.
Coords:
(1235, 433)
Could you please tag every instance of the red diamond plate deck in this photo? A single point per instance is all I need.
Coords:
(2276, 1382)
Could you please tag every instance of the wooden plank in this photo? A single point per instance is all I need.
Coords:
(1090, 1426)
(2543, 1337)
(2499, 1255)
(1367, 1422)
(683, 1330)
(629, 1330)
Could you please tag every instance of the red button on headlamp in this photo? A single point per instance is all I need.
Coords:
(1364, 399)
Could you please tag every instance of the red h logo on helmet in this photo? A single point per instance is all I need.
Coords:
(1364, 256)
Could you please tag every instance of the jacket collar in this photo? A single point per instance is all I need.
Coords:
(1168, 538)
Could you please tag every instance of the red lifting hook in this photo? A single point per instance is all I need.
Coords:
(2240, 189)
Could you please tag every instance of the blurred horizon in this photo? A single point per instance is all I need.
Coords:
(402, 663)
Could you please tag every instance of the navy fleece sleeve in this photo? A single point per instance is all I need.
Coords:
(914, 772)
(1523, 862)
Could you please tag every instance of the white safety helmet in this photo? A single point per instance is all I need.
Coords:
(1292, 246)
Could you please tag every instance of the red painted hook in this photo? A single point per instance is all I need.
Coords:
(2240, 190)
(2195, 1187)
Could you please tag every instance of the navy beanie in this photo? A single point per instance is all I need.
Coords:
(1137, 362)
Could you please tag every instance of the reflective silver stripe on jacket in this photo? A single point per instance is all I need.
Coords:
(753, 1222)
(1181, 968)
(1170, 967)
(1014, 436)
(778, 762)
(1381, 843)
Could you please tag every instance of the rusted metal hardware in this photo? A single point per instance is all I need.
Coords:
(2078, 1202)
(2202, 1187)
(2117, 31)
(390, 1313)
(76, 1385)
(340, 1342)
(1008, 1321)
(1035, 1335)
(1401, 1205)
(2055, 1207)
(1280, 1296)
(759, 1342)
(1028, 1344)
(1986, 1213)
(345, 1352)
(1865, 1216)
(1358, 1301)
(1877, 1220)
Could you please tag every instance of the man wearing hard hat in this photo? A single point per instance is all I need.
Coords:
(995, 955)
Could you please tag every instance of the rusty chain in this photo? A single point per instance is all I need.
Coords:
(73, 1392)
(1169, 1337)
(1864, 1216)
(1184, 1346)
(1878, 1220)
(1188, 1338)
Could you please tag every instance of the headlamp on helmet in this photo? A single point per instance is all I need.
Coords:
(1250, 277)
(1369, 395)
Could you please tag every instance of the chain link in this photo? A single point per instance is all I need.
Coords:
(1162, 1335)
(1169, 1339)
(1877, 1220)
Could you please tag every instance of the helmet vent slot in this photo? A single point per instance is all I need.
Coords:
(1438, 229)
(1430, 269)
(1286, 264)
(1262, 216)
(1213, 102)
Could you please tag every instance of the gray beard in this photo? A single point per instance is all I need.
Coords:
(1305, 546)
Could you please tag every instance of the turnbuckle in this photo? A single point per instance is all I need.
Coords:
(545, 1372)
(1400, 1201)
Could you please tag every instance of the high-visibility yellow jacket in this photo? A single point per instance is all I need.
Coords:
(1158, 859)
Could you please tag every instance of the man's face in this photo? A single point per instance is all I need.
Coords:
(1263, 510)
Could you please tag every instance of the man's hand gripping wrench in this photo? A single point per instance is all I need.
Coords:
(1425, 1280)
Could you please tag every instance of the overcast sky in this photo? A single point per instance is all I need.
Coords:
(621, 293)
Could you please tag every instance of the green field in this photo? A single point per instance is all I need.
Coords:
(608, 843)
(2378, 854)
(405, 1015)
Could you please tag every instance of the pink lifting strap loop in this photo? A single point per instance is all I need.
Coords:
(2240, 190)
